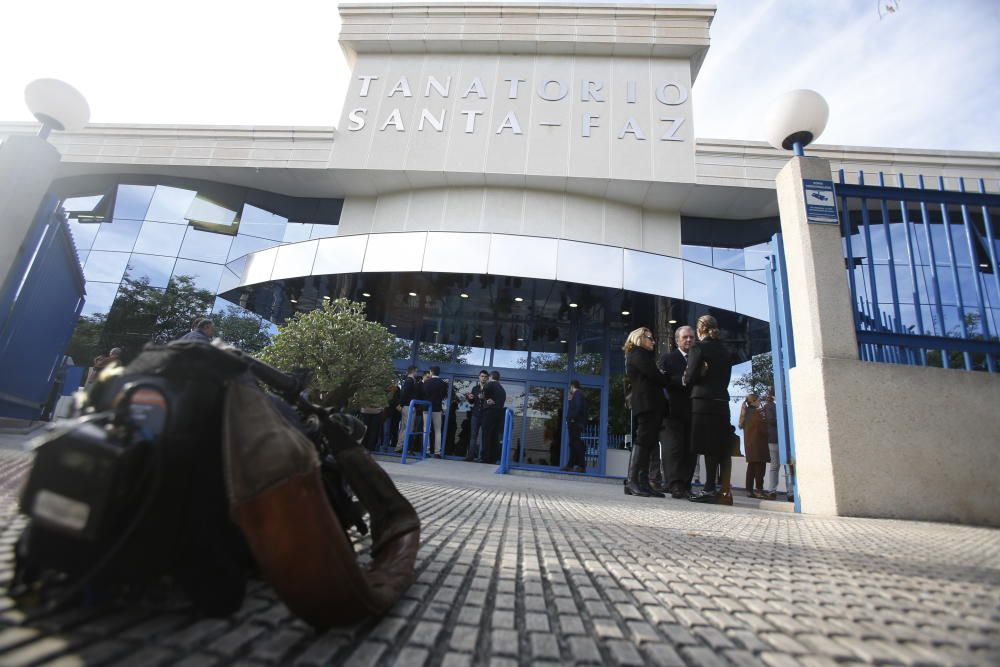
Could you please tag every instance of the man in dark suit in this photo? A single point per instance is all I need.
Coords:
(675, 438)
(407, 392)
(436, 391)
(496, 397)
(576, 417)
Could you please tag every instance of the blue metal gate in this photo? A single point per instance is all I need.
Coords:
(39, 307)
(782, 354)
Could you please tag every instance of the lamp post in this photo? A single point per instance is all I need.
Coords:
(796, 119)
(57, 106)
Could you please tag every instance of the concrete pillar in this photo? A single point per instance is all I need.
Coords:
(27, 166)
(823, 327)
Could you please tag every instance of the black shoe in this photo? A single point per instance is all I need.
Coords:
(678, 493)
(633, 489)
(653, 493)
(707, 497)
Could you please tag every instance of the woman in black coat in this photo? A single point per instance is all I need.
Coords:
(708, 372)
(648, 405)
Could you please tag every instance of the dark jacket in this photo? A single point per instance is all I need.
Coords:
(194, 334)
(673, 364)
(577, 413)
(494, 390)
(478, 402)
(647, 381)
(435, 391)
(771, 416)
(408, 391)
(714, 382)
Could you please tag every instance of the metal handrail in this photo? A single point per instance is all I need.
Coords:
(508, 430)
(409, 431)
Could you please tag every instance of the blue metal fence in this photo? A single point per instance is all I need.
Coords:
(408, 430)
(923, 272)
(508, 431)
(782, 354)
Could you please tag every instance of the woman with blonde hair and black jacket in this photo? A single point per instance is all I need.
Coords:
(648, 405)
(708, 372)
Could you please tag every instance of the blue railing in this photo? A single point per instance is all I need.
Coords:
(409, 430)
(923, 272)
(508, 431)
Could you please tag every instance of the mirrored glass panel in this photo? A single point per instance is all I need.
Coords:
(132, 201)
(323, 231)
(523, 256)
(697, 253)
(294, 260)
(544, 426)
(457, 253)
(341, 255)
(205, 211)
(159, 238)
(83, 257)
(728, 258)
(206, 246)
(81, 204)
(117, 235)
(590, 264)
(653, 274)
(712, 287)
(155, 269)
(204, 275)
(228, 281)
(170, 205)
(259, 265)
(263, 224)
(99, 297)
(395, 252)
(243, 244)
(297, 231)
(751, 298)
(83, 234)
(103, 266)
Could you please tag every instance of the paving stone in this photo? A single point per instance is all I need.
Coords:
(703, 657)
(625, 653)
(544, 645)
(322, 650)
(464, 638)
(235, 640)
(198, 660)
(275, 646)
(456, 660)
(152, 656)
(663, 655)
(504, 642)
(197, 634)
(98, 653)
(572, 625)
(366, 654)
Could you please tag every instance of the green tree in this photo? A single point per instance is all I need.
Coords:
(761, 376)
(350, 355)
(242, 328)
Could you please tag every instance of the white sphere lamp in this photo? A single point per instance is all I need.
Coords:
(57, 105)
(796, 119)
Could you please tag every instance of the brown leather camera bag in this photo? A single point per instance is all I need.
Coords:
(277, 498)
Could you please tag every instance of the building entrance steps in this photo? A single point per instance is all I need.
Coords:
(517, 570)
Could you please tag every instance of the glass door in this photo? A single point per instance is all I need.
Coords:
(459, 432)
(543, 426)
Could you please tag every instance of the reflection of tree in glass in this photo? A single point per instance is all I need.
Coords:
(350, 355)
(957, 359)
(761, 375)
(546, 361)
(589, 363)
(402, 348)
(443, 353)
(242, 328)
(618, 412)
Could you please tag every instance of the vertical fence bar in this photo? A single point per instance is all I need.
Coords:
(918, 310)
(925, 216)
(866, 226)
(845, 230)
(950, 245)
(508, 429)
(988, 223)
(893, 287)
(974, 265)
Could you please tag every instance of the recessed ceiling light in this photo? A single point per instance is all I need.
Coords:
(326, 298)
(518, 299)
(393, 326)
(572, 305)
(464, 295)
(673, 321)
(365, 294)
(413, 293)
(437, 332)
(984, 266)
(625, 312)
(293, 300)
(478, 336)
(563, 342)
(520, 340)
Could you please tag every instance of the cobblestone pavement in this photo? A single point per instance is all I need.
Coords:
(517, 570)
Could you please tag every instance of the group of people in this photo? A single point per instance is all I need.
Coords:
(681, 408)
(759, 421)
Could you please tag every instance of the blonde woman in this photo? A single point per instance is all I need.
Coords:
(648, 404)
(708, 372)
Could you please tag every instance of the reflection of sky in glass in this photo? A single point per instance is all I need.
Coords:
(510, 358)
(118, 235)
(99, 297)
(264, 224)
(206, 276)
(244, 244)
(324, 231)
(83, 234)
(170, 205)
(206, 246)
(132, 201)
(728, 258)
(160, 238)
(105, 266)
(156, 269)
(82, 204)
(83, 257)
(697, 253)
(476, 356)
(295, 232)
(203, 210)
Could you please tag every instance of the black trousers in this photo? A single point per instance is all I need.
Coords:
(647, 433)
(492, 426)
(577, 450)
(678, 457)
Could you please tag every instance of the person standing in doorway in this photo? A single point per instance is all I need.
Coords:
(648, 404)
(754, 425)
(708, 372)
(679, 460)
(407, 393)
(496, 397)
(477, 406)
(436, 391)
(771, 481)
(576, 418)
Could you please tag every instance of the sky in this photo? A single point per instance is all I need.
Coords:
(925, 76)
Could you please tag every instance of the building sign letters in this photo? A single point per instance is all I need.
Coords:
(668, 94)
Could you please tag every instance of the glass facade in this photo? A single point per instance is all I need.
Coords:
(157, 229)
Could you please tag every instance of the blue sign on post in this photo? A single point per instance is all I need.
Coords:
(821, 205)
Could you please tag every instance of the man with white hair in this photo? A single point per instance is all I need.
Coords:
(677, 458)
